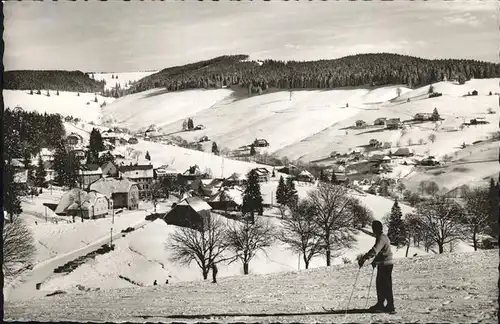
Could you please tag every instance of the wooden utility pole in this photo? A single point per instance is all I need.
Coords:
(111, 239)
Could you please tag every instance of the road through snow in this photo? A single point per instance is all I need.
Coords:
(27, 286)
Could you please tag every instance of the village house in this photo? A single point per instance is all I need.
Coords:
(305, 176)
(422, 116)
(46, 154)
(88, 174)
(226, 199)
(190, 212)
(260, 142)
(429, 161)
(192, 173)
(215, 185)
(109, 169)
(234, 179)
(380, 121)
(143, 175)
(79, 152)
(122, 192)
(458, 192)
(290, 169)
(20, 174)
(263, 174)
(74, 139)
(403, 152)
(165, 172)
(89, 205)
(49, 169)
(393, 123)
(133, 140)
(360, 123)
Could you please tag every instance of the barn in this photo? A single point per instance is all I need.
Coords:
(190, 212)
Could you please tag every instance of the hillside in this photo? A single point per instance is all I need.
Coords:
(75, 81)
(294, 296)
(356, 70)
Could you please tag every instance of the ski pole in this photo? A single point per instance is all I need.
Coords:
(368, 296)
(352, 292)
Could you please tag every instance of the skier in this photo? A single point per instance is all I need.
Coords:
(383, 260)
(214, 273)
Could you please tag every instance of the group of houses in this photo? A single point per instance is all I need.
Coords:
(389, 123)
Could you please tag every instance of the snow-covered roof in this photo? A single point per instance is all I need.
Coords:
(233, 194)
(76, 199)
(196, 203)
(108, 186)
(306, 173)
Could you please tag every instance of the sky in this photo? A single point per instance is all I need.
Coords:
(117, 36)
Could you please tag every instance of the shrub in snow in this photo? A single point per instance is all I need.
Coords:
(346, 260)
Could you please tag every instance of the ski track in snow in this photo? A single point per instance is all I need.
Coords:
(454, 287)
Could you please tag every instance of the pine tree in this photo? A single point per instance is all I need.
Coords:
(48, 93)
(95, 99)
(252, 197)
(273, 174)
(40, 174)
(190, 124)
(31, 92)
(396, 231)
(66, 167)
(38, 92)
(57, 92)
(11, 193)
(215, 149)
(96, 142)
(281, 192)
(148, 157)
(78, 94)
(252, 150)
(322, 176)
(334, 178)
(184, 125)
(28, 167)
(292, 197)
(435, 115)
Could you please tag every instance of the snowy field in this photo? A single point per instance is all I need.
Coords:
(67, 103)
(124, 78)
(425, 290)
(142, 257)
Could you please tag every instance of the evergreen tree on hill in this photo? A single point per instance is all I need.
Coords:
(252, 150)
(281, 192)
(11, 192)
(435, 115)
(291, 195)
(148, 157)
(215, 149)
(190, 124)
(396, 230)
(252, 197)
(334, 178)
(66, 167)
(40, 174)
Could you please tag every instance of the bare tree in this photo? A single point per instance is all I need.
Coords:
(410, 142)
(362, 216)
(333, 217)
(422, 186)
(247, 238)
(300, 232)
(442, 220)
(18, 247)
(478, 209)
(156, 193)
(412, 228)
(432, 188)
(203, 246)
(421, 141)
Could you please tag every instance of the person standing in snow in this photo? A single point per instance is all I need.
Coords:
(383, 261)
(214, 273)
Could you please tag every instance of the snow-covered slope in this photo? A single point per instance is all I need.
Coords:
(464, 295)
(143, 258)
(122, 78)
(67, 103)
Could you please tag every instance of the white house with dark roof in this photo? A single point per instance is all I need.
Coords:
(124, 193)
(143, 175)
